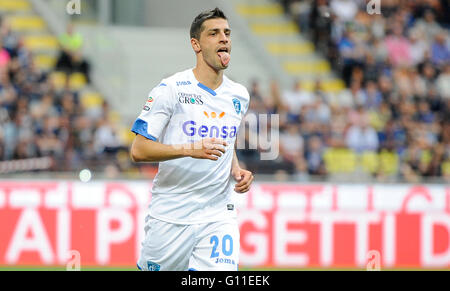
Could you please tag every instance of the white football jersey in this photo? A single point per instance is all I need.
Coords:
(182, 110)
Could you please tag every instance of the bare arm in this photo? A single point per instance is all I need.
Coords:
(235, 163)
(145, 150)
(243, 177)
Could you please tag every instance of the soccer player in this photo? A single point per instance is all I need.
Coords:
(189, 125)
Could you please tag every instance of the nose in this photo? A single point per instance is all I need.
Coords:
(223, 37)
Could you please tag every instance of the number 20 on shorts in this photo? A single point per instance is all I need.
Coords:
(227, 245)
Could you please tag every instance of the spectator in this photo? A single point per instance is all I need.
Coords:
(70, 59)
(362, 137)
(345, 10)
(398, 47)
(300, 10)
(396, 97)
(318, 112)
(443, 82)
(275, 103)
(321, 24)
(314, 156)
(427, 26)
(258, 101)
(371, 97)
(440, 52)
(371, 68)
(37, 121)
(291, 143)
(418, 47)
(9, 39)
(106, 139)
(295, 99)
(4, 57)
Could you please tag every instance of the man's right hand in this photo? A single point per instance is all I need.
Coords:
(208, 148)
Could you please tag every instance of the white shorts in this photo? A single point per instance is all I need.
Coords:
(210, 246)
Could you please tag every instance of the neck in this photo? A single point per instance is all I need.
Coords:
(208, 76)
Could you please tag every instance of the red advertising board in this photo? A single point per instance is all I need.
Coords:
(282, 225)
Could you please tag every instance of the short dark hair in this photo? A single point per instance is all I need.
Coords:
(196, 26)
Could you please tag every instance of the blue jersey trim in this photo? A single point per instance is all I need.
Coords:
(139, 267)
(206, 88)
(162, 84)
(192, 269)
(140, 127)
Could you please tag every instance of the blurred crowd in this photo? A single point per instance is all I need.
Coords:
(393, 119)
(391, 122)
(38, 119)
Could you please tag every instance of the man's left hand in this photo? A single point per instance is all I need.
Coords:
(244, 179)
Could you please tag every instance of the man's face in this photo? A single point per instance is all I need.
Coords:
(215, 43)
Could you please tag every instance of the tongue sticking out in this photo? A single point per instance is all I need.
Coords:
(224, 58)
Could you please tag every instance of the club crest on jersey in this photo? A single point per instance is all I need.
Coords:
(237, 105)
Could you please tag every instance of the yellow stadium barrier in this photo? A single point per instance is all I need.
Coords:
(388, 162)
(77, 81)
(340, 160)
(260, 10)
(370, 162)
(14, 5)
(26, 23)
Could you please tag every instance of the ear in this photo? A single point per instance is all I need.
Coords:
(195, 45)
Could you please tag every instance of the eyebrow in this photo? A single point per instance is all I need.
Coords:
(218, 29)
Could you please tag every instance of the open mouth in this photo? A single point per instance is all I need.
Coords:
(225, 50)
(224, 55)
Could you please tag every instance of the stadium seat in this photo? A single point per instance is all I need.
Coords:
(77, 81)
(445, 168)
(9, 6)
(290, 48)
(44, 62)
(426, 157)
(288, 28)
(126, 135)
(58, 79)
(369, 162)
(114, 116)
(330, 161)
(388, 162)
(272, 9)
(328, 85)
(26, 23)
(340, 160)
(333, 85)
(91, 99)
(295, 54)
(348, 160)
(317, 67)
(41, 42)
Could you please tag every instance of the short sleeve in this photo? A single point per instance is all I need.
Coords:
(156, 113)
